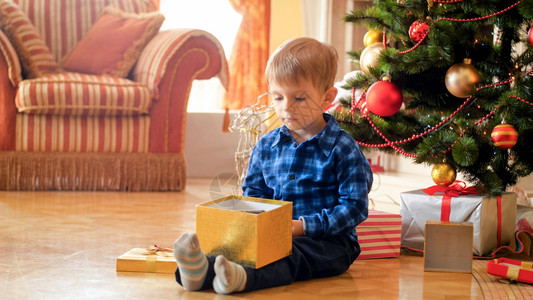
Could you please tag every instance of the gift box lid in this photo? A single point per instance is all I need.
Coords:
(511, 269)
(380, 218)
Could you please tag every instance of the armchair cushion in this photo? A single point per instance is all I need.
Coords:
(83, 95)
(114, 43)
(35, 56)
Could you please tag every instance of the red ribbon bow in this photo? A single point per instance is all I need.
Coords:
(453, 190)
(156, 250)
(456, 189)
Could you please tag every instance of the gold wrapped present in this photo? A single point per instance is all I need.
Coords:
(448, 246)
(151, 260)
(251, 231)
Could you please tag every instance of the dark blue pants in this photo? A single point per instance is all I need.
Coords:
(310, 258)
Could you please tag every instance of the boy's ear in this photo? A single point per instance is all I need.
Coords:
(329, 96)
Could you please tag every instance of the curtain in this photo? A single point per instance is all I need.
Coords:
(315, 18)
(249, 54)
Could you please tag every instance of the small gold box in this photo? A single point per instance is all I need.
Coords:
(448, 246)
(140, 260)
(250, 231)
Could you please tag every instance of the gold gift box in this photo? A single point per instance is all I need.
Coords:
(251, 231)
(141, 260)
(448, 246)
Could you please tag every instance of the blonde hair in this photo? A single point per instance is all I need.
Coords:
(303, 58)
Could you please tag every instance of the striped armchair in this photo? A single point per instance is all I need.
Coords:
(64, 130)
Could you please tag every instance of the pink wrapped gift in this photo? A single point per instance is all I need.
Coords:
(380, 235)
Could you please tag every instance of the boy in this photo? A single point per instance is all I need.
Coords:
(309, 161)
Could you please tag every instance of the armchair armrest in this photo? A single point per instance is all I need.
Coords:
(10, 76)
(168, 65)
(14, 70)
(153, 64)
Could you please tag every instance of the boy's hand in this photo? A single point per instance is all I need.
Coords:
(297, 228)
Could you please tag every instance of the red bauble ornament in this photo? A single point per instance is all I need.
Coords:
(504, 136)
(418, 30)
(384, 98)
(530, 36)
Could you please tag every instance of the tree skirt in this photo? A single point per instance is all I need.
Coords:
(494, 287)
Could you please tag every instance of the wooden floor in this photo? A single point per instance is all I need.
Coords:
(63, 245)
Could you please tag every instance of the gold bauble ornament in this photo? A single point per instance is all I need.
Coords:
(373, 36)
(461, 78)
(443, 174)
(370, 56)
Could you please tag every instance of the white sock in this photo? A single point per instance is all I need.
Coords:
(230, 277)
(192, 262)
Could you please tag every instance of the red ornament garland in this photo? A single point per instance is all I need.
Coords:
(490, 114)
(479, 18)
(393, 144)
(361, 104)
(417, 136)
(459, 20)
(417, 44)
(520, 99)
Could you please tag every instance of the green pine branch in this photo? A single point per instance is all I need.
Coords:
(463, 141)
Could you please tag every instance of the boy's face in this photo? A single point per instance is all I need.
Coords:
(300, 105)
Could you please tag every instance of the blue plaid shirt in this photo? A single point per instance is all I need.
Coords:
(326, 177)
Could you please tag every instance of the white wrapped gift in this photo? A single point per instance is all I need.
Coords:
(493, 218)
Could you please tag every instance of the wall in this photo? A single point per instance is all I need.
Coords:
(286, 22)
(208, 151)
(323, 23)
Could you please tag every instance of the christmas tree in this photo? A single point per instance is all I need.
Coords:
(438, 78)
